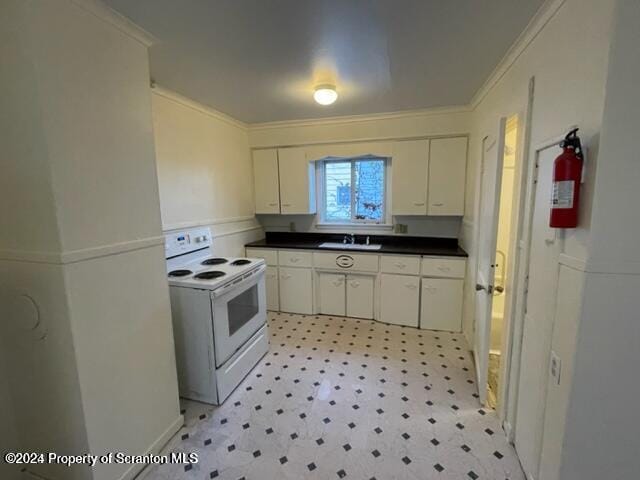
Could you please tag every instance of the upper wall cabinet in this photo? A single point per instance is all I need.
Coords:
(266, 181)
(297, 182)
(409, 168)
(447, 176)
(284, 181)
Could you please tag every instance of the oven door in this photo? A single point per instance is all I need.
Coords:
(239, 310)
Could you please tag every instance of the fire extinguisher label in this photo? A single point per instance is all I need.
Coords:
(562, 194)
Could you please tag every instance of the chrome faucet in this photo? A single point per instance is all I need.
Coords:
(353, 239)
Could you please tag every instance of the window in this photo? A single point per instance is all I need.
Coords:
(354, 190)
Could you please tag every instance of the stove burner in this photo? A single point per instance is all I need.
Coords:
(209, 275)
(180, 273)
(242, 261)
(214, 261)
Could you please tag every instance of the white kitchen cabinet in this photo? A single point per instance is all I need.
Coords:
(331, 294)
(297, 182)
(441, 306)
(296, 290)
(360, 296)
(271, 285)
(269, 256)
(266, 181)
(409, 170)
(447, 176)
(399, 299)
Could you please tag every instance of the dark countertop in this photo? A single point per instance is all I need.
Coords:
(390, 243)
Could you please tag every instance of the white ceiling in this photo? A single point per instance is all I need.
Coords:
(258, 60)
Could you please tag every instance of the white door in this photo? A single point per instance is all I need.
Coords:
(360, 296)
(331, 293)
(409, 167)
(271, 283)
(265, 181)
(487, 218)
(441, 304)
(447, 176)
(296, 290)
(297, 182)
(544, 251)
(399, 299)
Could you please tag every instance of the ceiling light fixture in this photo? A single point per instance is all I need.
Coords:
(325, 94)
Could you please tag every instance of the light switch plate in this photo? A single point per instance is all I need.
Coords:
(555, 366)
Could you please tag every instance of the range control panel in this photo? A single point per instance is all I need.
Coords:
(179, 243)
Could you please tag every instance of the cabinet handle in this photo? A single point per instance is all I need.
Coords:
(286, 204)
(430, 289)
(437, 204)
(410, 286)
(444, 269)
(355, 284)
(418, 204)
(400, 265)
(273, 204)
(294, 259)
(285, 277)
(271, 275)
(337, 283)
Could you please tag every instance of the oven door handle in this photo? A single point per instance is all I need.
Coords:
(239, 284)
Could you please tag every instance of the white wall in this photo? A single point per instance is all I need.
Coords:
(85, 243)
(205, 171)
(602, 422)
(568, 57)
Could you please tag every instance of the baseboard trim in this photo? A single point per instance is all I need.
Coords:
(155, 448)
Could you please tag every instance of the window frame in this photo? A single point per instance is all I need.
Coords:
(354, 222)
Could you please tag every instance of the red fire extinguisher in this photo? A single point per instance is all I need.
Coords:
(567, 175)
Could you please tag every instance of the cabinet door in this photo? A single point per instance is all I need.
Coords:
(266, 181)
(441, 304)
(409, 166)
(399, 299)
(296, 290)
(331, 293)
(271, 285)
(447, 176)
(360, 296)
(297, 182)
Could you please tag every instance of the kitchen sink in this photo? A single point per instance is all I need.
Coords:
(350, 246)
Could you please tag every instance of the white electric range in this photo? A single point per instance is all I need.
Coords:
(218, 307)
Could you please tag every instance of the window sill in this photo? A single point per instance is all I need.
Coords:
(354, 226)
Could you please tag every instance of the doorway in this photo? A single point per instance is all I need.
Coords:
(500, 307)
(498, 203)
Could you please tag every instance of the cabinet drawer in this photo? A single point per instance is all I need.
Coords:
(292, 258)
(346, 261)
(269, 256)
(443, 267)
(400, 264)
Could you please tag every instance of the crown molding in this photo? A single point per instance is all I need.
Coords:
(119, 21)
(544, 14)
(187, 102)
(425, 112)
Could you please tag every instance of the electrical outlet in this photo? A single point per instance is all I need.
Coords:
(400, 228)
(555, 366)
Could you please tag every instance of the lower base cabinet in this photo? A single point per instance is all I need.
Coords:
(271, 285)
(296, 290)
(399, 299)
(331, 294)
(360, 296)
(350, 295)
(441, 305)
